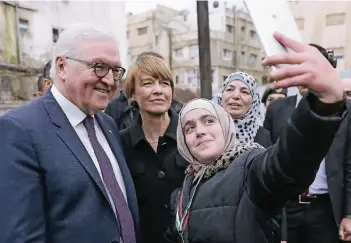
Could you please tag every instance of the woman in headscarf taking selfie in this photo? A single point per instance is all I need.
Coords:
(239, 97)
(232, 190)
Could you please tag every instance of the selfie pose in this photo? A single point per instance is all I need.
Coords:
(232, 190)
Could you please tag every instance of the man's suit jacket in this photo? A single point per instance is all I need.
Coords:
(50, 188)
(337, 161)
(277, 116)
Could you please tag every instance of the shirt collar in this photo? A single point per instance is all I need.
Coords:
(137, 133)
(74, 115)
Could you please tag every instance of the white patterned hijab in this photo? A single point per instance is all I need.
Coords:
(248, 125)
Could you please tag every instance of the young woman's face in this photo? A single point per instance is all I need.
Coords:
(236, 99)
(203, 135)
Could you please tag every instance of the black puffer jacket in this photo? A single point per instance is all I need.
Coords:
(237, 204)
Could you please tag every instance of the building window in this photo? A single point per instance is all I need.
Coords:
(252, 60)
(300, 22)
(192, 78)
(128, 34)
(55, 35)
(252, 34)
(156, 39)
(142, 31)
(178, 53)
(335, 19)
(23, 26)
(227, 54)
(229, 28)
(339, 57)
(177, 79)
(194, 52)
(5, 84)
(243, 28)
(243, 53)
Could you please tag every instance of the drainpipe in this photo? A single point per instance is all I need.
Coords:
(18, 34)
(170, 46)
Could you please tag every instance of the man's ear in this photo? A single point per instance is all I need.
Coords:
(48, 82)
(40, 93)
(60, 67)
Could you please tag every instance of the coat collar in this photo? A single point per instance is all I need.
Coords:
(137, 133)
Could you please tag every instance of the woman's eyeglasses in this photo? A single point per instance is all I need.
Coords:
(101, 69)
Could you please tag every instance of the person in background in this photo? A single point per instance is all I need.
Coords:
(40, 86)
(239, 97)
(346, 84)
(125, 112)
(44, 81)
(270, 95)
(63, 175)
(150, 144)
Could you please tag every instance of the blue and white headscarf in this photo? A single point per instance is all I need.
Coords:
(248, 125)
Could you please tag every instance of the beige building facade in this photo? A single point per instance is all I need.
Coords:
(326, 23)
(29, 31)
(235, 48)
(152, 31)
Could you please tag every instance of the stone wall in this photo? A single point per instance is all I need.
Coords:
(17, 85)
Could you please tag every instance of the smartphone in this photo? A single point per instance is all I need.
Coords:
(269, 16)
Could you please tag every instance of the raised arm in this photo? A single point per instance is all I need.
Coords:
(22, 215)
(289, 167)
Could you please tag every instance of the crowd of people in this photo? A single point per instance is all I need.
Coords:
(81, 165)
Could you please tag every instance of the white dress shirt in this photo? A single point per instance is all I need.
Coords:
(320, 184)
(76, 116)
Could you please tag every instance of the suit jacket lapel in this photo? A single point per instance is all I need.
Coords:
(68, 135)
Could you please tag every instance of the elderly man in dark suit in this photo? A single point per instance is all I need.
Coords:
(63, 177)
(323, 213)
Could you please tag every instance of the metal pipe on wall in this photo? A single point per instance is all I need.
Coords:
(18, 35)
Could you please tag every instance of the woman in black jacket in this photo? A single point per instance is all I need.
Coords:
(232, 190)
(150, 145)
(239, 97)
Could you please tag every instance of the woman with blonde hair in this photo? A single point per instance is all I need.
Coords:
(150, 144)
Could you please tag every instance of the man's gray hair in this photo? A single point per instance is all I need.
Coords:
(72, 37)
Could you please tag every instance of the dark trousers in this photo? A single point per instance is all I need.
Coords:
(312, 223)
